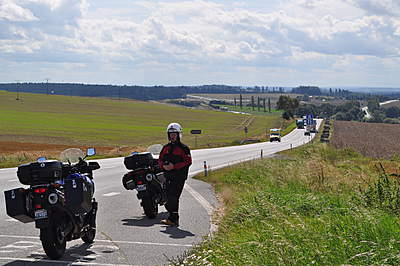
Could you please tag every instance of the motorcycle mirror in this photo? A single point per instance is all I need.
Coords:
(41, 159)
(90, 152)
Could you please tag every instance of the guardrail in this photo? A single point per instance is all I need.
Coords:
(326, 131)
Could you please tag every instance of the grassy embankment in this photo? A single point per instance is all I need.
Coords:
(114, 125)
(248, 109)
(315, 205)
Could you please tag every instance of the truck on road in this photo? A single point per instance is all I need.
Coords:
(275, 134)
(300, 123)
(311, 128)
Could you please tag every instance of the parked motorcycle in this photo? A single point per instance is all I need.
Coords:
(59, 199)
(147, 179)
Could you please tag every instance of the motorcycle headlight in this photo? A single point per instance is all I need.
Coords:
(149, 177)
(53, 198)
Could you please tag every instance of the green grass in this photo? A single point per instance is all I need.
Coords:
(314, 207)
(249, 110)
(98, 121)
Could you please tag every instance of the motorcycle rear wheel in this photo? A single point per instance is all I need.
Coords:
(150, 208)
(53, 241)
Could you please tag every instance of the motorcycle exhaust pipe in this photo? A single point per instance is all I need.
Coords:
(53, 198)
(149, 177)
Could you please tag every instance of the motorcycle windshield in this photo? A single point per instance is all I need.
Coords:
(155, 149)
(71, 155)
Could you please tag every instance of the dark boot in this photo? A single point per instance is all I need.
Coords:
(172, 220)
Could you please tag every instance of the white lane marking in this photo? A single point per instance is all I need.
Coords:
(111, 194)
(12, 220)
(206, 205)
(109, 241)
(12, 180)
(109, 167)
(209, 208)
(20, 245)
(62, 262)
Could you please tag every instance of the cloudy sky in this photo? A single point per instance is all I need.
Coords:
(172, 42)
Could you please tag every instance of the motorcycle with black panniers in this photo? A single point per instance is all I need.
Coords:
(59, 199)
(147, 179)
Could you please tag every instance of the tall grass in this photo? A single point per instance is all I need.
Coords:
(12, 160)
(310, 208)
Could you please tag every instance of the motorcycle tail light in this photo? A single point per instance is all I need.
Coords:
(38, 206)
(139, 182)
(40, 190)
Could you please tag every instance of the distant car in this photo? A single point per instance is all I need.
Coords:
(275, 134)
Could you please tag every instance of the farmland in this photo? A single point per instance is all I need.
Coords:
(246, 97)
(112, 124)
(370, 139)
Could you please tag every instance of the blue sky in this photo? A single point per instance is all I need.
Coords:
(274, 43)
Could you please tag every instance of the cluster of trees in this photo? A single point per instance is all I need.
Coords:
(383, 115)
(338, 93)
(185, 103)
(288, 105)
(261, 103)
(308, 90)
(349, 111)
(112, 91)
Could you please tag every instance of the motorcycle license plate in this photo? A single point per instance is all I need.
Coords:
(41, 214)
(141, 187)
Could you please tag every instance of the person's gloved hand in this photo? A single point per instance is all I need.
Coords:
(168, 166)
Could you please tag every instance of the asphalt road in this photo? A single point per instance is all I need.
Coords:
(124, 235)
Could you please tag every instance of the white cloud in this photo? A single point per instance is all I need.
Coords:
(379, 7)
(10, 11)
(193, 36)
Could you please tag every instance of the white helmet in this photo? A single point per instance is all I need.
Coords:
(174, 128)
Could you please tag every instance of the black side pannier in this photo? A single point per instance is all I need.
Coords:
(16, 205)
(78, 195)
(39, 173)
(128, 181)
(139, 160)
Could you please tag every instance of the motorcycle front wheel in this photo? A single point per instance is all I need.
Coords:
(150, 207)
(89, 235)
(53, 241)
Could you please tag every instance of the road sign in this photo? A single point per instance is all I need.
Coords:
(309, 119)
(195, 131)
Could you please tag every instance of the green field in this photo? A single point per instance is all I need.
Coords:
(57, 119)
(313, 205)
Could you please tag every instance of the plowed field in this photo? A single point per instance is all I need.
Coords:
(371, 139)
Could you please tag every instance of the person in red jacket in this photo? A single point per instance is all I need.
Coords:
(175, 160)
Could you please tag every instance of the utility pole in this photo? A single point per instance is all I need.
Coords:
(47, 86)
(17, 89)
